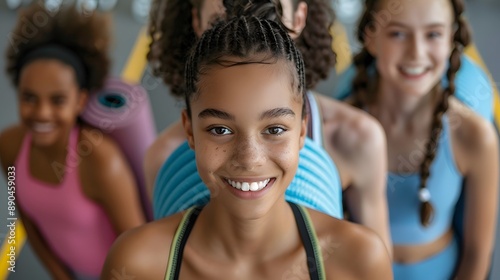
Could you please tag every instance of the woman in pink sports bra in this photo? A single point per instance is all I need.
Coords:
(75, 192)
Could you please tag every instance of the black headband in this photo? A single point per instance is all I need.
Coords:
(54, 51)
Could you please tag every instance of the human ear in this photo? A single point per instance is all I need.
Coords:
(188, 128)
(196, 22)
(299, 19)
(83, 98)
(303, 131)
(369, 36)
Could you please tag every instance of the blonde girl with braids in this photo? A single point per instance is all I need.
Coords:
(246, 121)
(434, 141)
(350, 137)
(75, 192)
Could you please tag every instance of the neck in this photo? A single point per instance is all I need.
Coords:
(251, 240)
(395, 108)
(57, 151)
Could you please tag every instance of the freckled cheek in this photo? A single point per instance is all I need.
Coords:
(286, 157)
(211, 157)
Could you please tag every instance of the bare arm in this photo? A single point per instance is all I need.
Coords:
(113, 186)
(366, 197)
(357, 144)
(480, 205)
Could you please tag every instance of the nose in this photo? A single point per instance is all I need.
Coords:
(417, 47)
(43, 110)
(249, 153)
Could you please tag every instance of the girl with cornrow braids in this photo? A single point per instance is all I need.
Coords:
(350, 137)
(245, 119)
(434, 141)
(75, 191)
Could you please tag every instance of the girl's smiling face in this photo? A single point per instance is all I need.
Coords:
(49, 100)
(246, 127)
(413, 47)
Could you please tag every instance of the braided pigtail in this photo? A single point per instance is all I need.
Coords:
(461, 39)
(363, 60)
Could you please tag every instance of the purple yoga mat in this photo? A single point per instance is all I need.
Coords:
(123, 112)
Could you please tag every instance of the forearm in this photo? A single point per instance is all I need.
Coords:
(473, 266)
(371, 211)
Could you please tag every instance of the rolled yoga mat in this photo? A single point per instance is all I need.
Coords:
(123, 111)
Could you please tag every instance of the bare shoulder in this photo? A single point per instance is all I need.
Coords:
(142, 252)
(351, 251)
(100, 151)
(11, 140)
(103, 164)
(349, 129)
(472, 134)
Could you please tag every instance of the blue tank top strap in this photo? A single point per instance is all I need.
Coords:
(316, 184)
(447, 149)
(316, 133)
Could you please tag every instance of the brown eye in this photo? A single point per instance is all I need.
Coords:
(28, 98)
(220, 130)
(59, 100)
(275, 130)
(433, 35)
(397, 35)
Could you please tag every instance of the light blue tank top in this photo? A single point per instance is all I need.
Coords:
(445, 186)
(316, 184)
(473, 87)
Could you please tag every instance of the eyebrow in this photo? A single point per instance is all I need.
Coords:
(277, 112)
(269, 114)
(400, 24)
(214, 113)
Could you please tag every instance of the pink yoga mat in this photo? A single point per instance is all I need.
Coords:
(123, 111)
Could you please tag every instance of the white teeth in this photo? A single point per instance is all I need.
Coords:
(254, 186)
(246, 186)
(43, 127)
(414, 70)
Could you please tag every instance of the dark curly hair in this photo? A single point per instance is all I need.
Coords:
(362, 85)
(172, 34)
(86, 35)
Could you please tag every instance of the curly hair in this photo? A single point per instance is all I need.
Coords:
(362, 87)
(172, 34)
(315, 41)
(85, 35)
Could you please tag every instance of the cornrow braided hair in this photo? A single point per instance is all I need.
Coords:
(88, 36)
(362, 98)
(250, 40)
